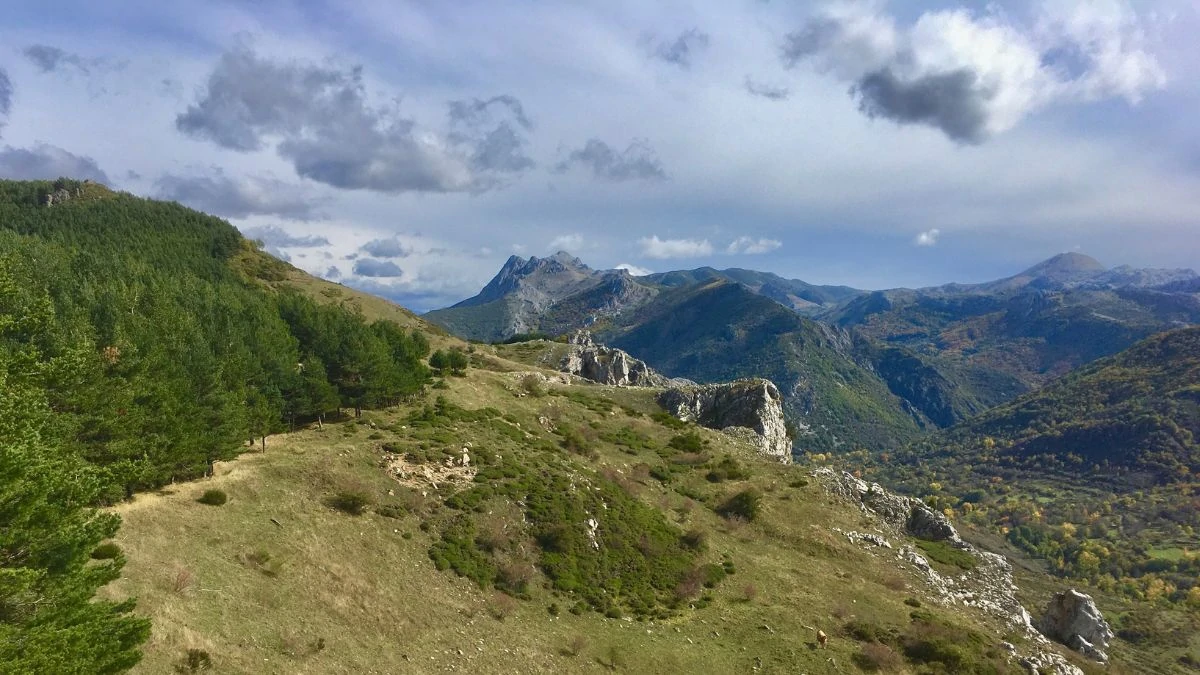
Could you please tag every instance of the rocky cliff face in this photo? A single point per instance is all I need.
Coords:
(988, 587)
(1073, 619)
(606, 365)
(754, 404)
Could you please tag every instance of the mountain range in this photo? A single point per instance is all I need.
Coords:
(857, 368)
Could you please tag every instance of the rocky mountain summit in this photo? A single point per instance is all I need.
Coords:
(557, 293)
(606, 365)
(753, 404)
(1072, 618)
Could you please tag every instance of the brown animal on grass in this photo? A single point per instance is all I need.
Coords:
(822, 638)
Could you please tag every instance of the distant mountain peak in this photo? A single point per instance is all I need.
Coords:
(1069, 263)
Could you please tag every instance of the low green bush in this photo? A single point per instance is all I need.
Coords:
(746, 505)
(940, 551)
(352, 501)
(106, 551)
(213, 497)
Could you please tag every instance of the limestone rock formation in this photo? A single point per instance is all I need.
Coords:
(906, 514)
(988, 588)
(1073, 619)
(754, 404)
(607, 365)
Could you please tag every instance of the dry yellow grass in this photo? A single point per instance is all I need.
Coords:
(346, 594)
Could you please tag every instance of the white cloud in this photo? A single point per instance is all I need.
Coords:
(653, 247)
(565, 242)
(928, 237)
(634, 269)
(751, 246)
(974, 75)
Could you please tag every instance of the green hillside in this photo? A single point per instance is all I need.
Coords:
(140, 344)
(1096, 473)
(998, 343)
(722, 331)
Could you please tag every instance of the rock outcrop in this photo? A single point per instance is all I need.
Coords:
(607, 365)
(753, 404)
(988, 587)
(1073, 619)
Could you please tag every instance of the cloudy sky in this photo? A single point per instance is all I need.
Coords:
(408, 148)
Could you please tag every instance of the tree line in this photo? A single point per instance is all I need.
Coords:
(135, 350)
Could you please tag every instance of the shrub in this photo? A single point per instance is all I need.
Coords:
(213, 497)
(864, 631)
(532, 384)
(727, 469)
(576, 646)
(574, 441)
(353, 501)
(502, 606)
(688, 442)
(194, 661)
(514, 577)
(876, 657)
(260, 560)
(912, 602)
(746, 504)
(667, 420)
(711, 575)
(106, 551)
(392, 511)
(695, 540)
(182, 581)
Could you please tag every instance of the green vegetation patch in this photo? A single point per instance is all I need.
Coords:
(941, 552)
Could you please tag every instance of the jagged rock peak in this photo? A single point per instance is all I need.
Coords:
(557, 270)
(607, 365)
(1073, 619)
(753, 403)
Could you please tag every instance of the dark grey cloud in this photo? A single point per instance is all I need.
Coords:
(6, 91)
(637, 162)
(952, 102)
(386, 248)
(47, 162)
(685, 46)
(819, 34)
(333, 273)
(320, 120)
(478, 112)
(273, 235)
(49, 59)
(767, 91)
(217, 193)
(369, 267)
(490, 129)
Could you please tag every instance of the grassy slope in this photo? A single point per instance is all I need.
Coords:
(376, 600)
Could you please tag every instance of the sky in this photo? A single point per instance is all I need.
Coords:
(409, 148)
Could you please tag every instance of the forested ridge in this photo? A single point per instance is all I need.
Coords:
(136, 348)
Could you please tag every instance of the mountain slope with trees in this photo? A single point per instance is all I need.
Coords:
(140, 345)
(1096, 473)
